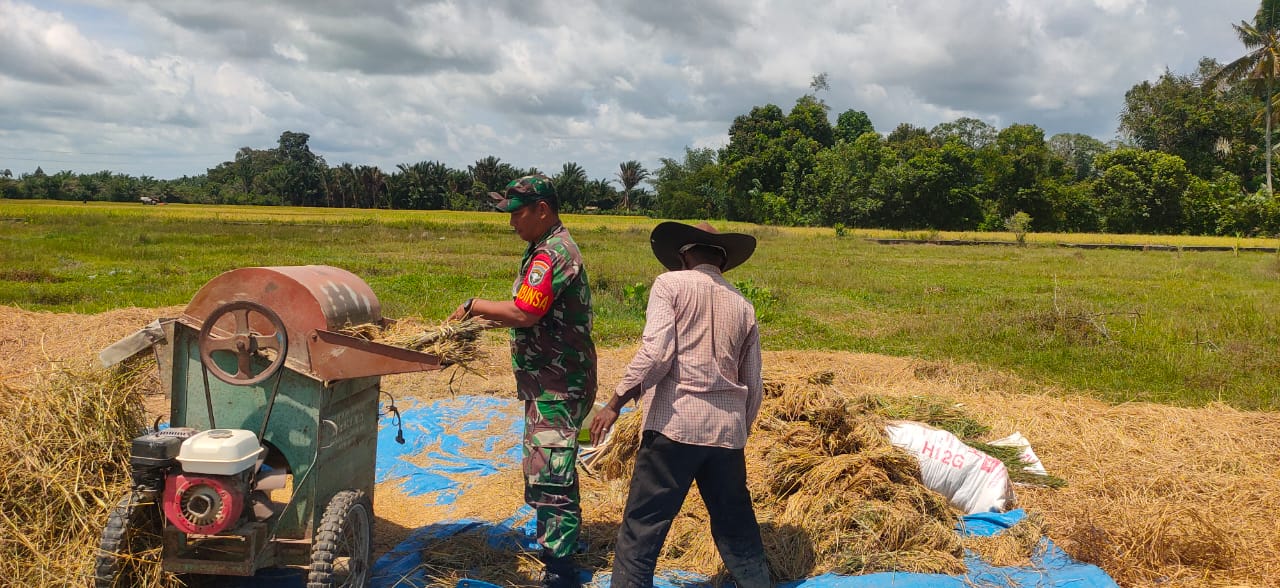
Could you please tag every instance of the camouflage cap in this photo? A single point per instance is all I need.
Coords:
(522, 191)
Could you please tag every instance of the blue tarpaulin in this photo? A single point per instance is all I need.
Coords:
(437, 433)
(445, 430)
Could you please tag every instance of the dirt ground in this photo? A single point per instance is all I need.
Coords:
(1156, 495)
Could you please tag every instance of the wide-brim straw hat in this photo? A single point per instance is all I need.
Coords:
(667, 238)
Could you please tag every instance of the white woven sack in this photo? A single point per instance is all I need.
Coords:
(970, 479)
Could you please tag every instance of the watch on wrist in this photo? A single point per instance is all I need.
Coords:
(466, 306)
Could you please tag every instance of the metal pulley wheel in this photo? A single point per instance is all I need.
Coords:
(243, 342)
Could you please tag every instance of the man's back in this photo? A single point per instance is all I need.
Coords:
(705, 332)
(713, 322)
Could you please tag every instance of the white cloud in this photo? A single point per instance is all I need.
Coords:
(172, 87)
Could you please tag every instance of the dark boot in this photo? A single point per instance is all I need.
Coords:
(559, 572)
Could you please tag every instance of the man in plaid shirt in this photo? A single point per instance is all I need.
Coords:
(697, 375)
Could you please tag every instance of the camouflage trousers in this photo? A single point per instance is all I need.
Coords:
(550, 473)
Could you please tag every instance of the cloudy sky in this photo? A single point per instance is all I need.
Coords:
(173, 87)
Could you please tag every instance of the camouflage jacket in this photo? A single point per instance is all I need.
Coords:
(555, 356)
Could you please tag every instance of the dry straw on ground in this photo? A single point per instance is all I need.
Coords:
(66, 467)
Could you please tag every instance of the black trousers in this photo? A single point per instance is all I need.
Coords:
(664, 471)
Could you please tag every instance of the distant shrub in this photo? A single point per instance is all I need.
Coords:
(760, 297)
(636, 295)
(1019, 223)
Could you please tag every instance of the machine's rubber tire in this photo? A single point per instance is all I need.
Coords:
(343, 549)
(134, 526)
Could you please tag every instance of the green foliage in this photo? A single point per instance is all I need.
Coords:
(636, 295)
(298, 178)
(752, 158)
(930, 410)
(425, 185)
(1016, 171)
(935, 188)
(1256, 69)
(571, 187)
(630, 174)
(840, 189)
(852, 124)
(972, 132)
(1075, 208)
(1011, 457)
(1253, 214)
(1141, 191)
(841, 230)
(602, 195)
(809, 118)
(764, 301)
(1077, 152)
(692, 188)
(770, 207)
(907, 138)
(1207, 130)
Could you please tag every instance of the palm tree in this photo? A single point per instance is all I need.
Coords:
(427, 184)
(491, 173)
(343, 182)
(371, 185)
(630, 173)
(571, 186)
(1261, 64)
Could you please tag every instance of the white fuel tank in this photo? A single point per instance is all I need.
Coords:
(220, 452)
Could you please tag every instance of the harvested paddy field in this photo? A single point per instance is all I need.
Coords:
(1156, 495)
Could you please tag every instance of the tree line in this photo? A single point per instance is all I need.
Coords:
(1189, 160)
(291, 174)
(1192, 157)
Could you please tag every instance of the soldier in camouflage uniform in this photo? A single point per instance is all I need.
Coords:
(554, 360)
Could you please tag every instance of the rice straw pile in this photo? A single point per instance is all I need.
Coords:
(454, 342)
(66, 457)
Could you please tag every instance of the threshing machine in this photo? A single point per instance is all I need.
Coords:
(268, 457)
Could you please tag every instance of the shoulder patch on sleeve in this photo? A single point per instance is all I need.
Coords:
(538, 271)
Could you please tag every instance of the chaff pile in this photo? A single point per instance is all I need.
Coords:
(454, 342)
(66, 459)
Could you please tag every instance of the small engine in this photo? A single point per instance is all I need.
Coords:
(152, 455)
(208, 493)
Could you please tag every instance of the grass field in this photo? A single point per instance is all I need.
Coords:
(1174, 327)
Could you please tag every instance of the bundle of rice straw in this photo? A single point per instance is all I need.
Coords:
(454, 342)
(66, 466)
(830, 491)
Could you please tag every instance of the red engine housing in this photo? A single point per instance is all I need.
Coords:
(203, 504)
